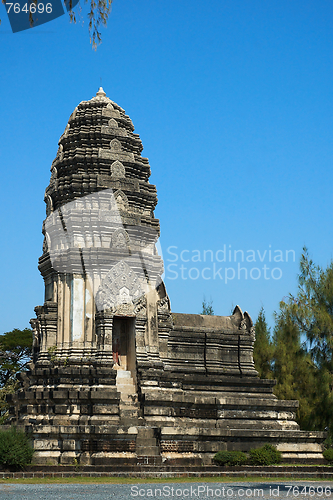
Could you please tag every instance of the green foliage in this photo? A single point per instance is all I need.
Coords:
(15, 448)
(207, 307)
(52, 353)
(266, 455)
(293, 369)
(98, 15)
(230, 458)
(15, 353)
(263, 347)
(76, 464)
(8, 388)
(311, 313)
(328, 455)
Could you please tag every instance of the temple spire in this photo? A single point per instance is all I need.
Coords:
(101, 92)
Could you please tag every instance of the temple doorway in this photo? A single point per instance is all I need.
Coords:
(123, 344)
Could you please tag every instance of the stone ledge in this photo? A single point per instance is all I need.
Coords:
(304, 472)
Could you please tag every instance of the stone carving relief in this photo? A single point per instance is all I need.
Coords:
(113, 123)
(164, 305)
(243, 326)
(119, 289)
(36, 339)
(140, 307)
(163, 302)
(115, 146)
(121, 200)
(46, 244)
(246, 325)
(117, 170)
(120, 239)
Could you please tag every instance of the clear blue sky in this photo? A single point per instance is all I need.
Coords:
(233, 102)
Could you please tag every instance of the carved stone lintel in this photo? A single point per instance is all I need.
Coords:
(120, 286)
(117, 170)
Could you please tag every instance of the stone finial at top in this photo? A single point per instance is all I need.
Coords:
(100, 95)
(101, 92)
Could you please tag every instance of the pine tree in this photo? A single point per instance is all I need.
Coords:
(312, 312)
(294, 371)
(263, 348)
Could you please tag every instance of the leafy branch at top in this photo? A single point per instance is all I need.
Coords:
(98, 15)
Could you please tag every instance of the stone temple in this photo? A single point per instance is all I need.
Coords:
(116, 376)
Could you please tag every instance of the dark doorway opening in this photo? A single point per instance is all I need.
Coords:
(123, 344)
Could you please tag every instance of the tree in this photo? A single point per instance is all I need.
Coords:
(311, 312)
(15, 354)
(293, 370)
(10, 388)
(207, 307)
(263, 347)
(98, 16)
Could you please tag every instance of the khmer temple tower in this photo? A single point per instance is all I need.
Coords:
(116, 377)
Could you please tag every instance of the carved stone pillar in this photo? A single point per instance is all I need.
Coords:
(104, 322)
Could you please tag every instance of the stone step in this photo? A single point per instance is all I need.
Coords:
(126, 409)
(152, 467)
(126, 389)
(128, 404)
(146, 433)
(127, 399)
(128, 413)
(129, 421)
(146, 444)
(149, 461)
(129, 388)
(148, 451)
(124, 374)
(125, 385)
(124, 380)
(124, 377)
(142, 442)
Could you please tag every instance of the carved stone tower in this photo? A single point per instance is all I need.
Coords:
(99, 259)
(115, 376)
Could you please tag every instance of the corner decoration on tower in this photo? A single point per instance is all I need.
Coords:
(116, 378)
